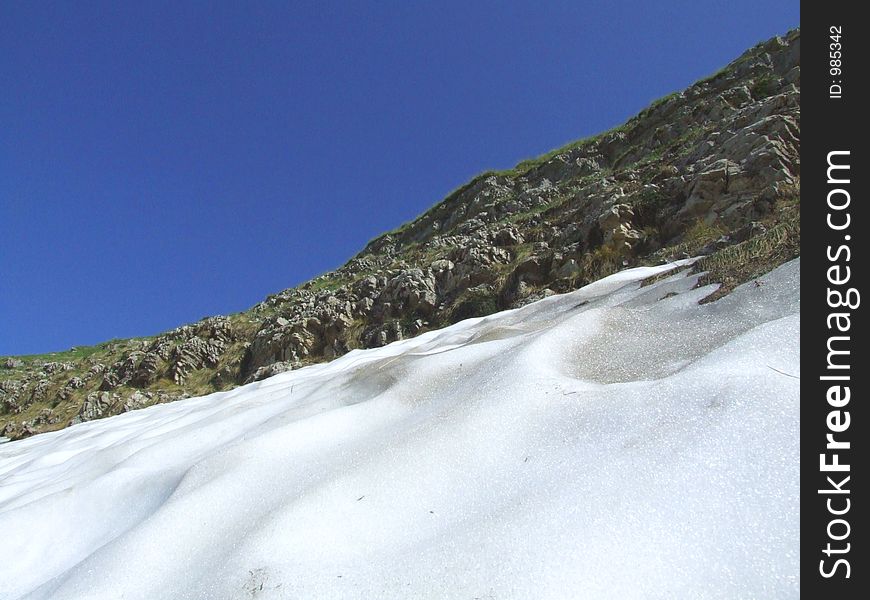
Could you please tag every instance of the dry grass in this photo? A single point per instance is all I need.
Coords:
(749, 260)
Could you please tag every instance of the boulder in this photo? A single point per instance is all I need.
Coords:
(617, 230)
(96, 405)
(271, 370)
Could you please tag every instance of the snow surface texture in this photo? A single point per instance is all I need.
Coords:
(615, 442)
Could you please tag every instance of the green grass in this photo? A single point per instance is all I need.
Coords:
(764, 86)
(656, 104)
(474, 303)
(524, 166)
(75, 353)
(324, 284)
(700, 234)
(713, 77)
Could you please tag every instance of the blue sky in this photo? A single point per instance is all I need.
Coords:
(164, 161)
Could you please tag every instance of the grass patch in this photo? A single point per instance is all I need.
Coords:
(700, 234)
(475, 302)
(601, 262)
(656, 104)
(73, 354)
(748, 260)
(764, 86)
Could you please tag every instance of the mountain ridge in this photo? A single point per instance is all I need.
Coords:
(712, 170)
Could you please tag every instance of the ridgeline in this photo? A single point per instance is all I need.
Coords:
(712, 171)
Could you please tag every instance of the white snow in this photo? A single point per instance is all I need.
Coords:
(607, 443)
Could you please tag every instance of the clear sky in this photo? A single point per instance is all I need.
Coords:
(164, 161)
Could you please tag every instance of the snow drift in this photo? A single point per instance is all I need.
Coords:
(619, 441)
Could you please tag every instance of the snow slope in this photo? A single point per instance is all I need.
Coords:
(615, 442)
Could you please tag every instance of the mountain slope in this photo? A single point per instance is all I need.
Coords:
(713, 170)
(620, 441)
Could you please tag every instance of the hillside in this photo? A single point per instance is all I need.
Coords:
(713, 170)
(612, 442)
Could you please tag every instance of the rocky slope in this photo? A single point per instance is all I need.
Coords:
(713, 170)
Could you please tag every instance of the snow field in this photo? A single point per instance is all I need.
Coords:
(615, 442)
